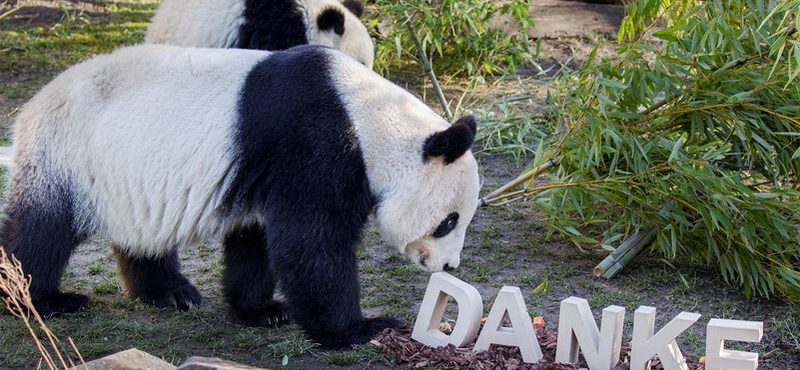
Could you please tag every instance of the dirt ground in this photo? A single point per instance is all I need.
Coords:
(507, 245)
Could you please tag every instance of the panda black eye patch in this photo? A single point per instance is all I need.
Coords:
(447, 225)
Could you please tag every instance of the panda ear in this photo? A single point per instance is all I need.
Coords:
(451, 143)
(331, 19)
(354, 6)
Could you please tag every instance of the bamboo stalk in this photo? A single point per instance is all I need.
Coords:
(427, 65)
(617, 260)
(500, 192)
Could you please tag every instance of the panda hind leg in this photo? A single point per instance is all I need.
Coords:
(41, 236)
(248, 281)
(156, 281)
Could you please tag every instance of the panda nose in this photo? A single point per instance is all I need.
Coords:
(447, 267)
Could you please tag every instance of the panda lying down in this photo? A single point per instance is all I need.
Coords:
(284, 155)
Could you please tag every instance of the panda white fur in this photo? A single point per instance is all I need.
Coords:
(263, 24)
(284, 155)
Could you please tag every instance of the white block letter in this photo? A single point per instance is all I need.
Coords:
(470, 309)
(577, 329)
(718, 330)
(645, 344)
(520, 334)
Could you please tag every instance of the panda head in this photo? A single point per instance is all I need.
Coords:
(426, 215)
(336, 25)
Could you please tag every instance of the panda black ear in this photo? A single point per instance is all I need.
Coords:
(331, 19)
(451, 143)
(354, 6)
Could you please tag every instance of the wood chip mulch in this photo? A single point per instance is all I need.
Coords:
(410, 354)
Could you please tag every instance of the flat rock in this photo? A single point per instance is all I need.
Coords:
(132, 359)
(212, 363)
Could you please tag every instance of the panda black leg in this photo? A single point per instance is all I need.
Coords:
(40, 234)
(157, 281)
(318, 271)
(248, 281)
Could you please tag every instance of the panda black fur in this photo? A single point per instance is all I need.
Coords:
(285, 155)
(263, 24)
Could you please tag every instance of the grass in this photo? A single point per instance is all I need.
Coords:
(78, 35)
(349, 358)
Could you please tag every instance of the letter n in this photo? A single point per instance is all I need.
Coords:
(578, 330)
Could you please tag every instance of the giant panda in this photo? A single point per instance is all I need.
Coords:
(263, 24)
(283, 155)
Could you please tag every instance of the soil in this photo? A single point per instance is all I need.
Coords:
(506, 245)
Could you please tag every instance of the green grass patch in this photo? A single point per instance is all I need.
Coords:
(106, 286)
(349, 358)
(290, 346)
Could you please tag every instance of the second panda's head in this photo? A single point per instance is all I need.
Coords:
(427, 214)
(336, 25)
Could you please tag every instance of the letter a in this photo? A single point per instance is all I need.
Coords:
(470, 308)
(520, 334)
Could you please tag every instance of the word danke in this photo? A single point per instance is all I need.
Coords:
(577, 330)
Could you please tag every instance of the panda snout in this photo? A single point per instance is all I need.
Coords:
(447, 267)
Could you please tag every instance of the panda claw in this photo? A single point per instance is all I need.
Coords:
(61, 303)
(183, 298)
(270, 315)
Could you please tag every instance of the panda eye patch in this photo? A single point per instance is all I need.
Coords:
(447, 225)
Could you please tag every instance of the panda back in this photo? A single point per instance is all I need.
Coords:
(144, 136)
(197, 23)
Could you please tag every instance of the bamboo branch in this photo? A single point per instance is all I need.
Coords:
(617, 260)
(427, 65)
(499, 193)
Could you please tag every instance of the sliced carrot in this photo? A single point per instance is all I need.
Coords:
(538, 321)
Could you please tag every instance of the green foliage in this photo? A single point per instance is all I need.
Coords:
(639, 15)
(696, 136)
(511, 129)
(458, 37)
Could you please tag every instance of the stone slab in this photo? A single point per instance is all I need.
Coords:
(132, 359)
(213, 363)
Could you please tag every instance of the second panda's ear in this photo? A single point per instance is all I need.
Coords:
(354, 6)
(331, 18)
(451, 143)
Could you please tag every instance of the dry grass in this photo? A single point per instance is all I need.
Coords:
(15, 293)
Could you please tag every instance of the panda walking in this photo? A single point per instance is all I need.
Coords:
(284, 155)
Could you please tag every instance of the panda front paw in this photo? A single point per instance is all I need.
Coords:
(371, 327)
(61, 303)
(359, 333)
(270, 315)
(182, 297)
